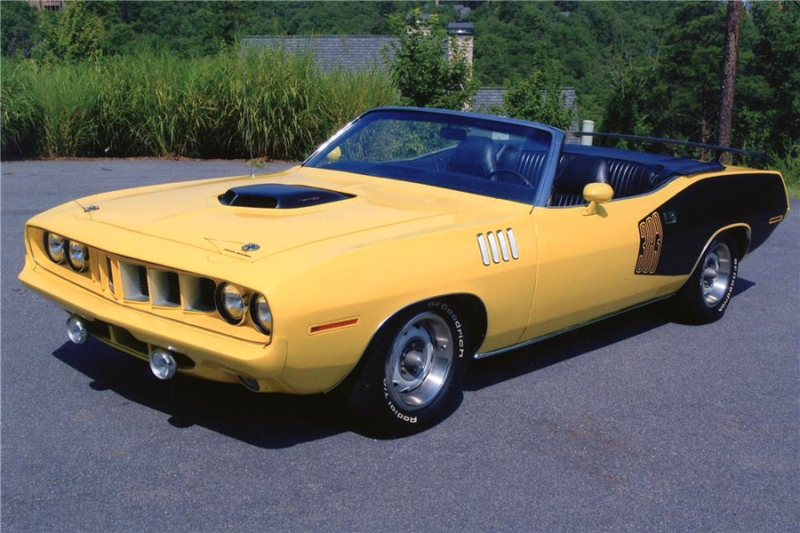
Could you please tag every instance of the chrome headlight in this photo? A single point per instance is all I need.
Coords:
(261, 314)
(78, 256)
(54, 245)
(230, 303)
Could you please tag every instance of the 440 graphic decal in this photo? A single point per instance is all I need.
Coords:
(651, 240)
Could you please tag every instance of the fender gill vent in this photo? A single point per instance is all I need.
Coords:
(279, 196)
(498, 245)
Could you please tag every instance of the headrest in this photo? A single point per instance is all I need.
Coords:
(578, 170)
(474, 156)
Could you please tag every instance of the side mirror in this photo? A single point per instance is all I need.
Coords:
(596, 194)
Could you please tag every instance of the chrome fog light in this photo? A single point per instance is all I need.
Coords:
(230, 303)
(162, 364)
(54, 245)
(261, 314)
(76, 330)
(78, 256)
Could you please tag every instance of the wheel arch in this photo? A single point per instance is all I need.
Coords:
(468, 306)
(473, 312)
(740, 233)
(700, 303)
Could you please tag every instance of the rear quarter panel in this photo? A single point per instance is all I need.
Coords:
(753, 199)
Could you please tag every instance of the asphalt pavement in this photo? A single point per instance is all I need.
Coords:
(632, 424)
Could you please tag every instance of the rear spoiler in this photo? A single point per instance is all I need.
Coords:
(719, 150)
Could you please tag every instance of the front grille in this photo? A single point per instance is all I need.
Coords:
(173, 288)
(165, 288)
(134, 282)
(157, 290)
(198, 293)
(141, 274)
(109, 274)
(207, 290)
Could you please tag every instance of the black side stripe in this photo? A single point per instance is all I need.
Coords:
(702, 209)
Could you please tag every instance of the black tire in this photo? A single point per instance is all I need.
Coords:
(411, 379)
(707, 293)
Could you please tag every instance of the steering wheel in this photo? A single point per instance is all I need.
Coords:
(493, 175)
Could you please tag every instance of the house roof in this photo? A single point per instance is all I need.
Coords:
(330, 52)
(488, 98)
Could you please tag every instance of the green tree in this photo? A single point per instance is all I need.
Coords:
(630, 60)
(512, 38)
(75, 34)
(767, 95)
(684, 100)
(421, 71)
(19, 22)
(538, 97)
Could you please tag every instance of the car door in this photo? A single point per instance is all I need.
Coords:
(595, 264)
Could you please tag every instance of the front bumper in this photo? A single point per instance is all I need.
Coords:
(214, 355)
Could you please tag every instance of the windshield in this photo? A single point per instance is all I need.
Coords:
(461, 151)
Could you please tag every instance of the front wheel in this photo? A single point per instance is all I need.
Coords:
(707, 292)
(412, 376)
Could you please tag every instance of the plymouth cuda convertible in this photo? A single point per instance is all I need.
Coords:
(411, 242)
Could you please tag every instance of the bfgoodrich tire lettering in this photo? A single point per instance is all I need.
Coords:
(413, 371)
(707, 293)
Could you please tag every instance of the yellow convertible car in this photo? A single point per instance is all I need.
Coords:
(411, 242)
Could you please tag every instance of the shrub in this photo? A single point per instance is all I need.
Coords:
(789, 166)
(538, 97)
(422, 73)
(18, 120)
(224, 105)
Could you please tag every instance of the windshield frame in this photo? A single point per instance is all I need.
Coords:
(530, 196)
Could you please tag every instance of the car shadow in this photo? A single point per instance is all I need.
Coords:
(741, 286)
(270, 421)
(521, 361)
(275, 421)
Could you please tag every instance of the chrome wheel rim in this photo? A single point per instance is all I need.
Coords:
(420, 361)
(716, 274)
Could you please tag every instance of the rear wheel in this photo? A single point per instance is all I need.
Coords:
(412, 376)
(707, 293)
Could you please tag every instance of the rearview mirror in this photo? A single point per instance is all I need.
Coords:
(452, 134)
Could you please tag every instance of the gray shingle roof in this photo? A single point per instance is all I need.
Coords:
(488, 98)
(346, 52)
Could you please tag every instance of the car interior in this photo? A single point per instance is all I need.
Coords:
(483, 157)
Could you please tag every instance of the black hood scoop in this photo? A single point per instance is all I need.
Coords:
(279, 196)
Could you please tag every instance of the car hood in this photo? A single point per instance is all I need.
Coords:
(196, 213)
